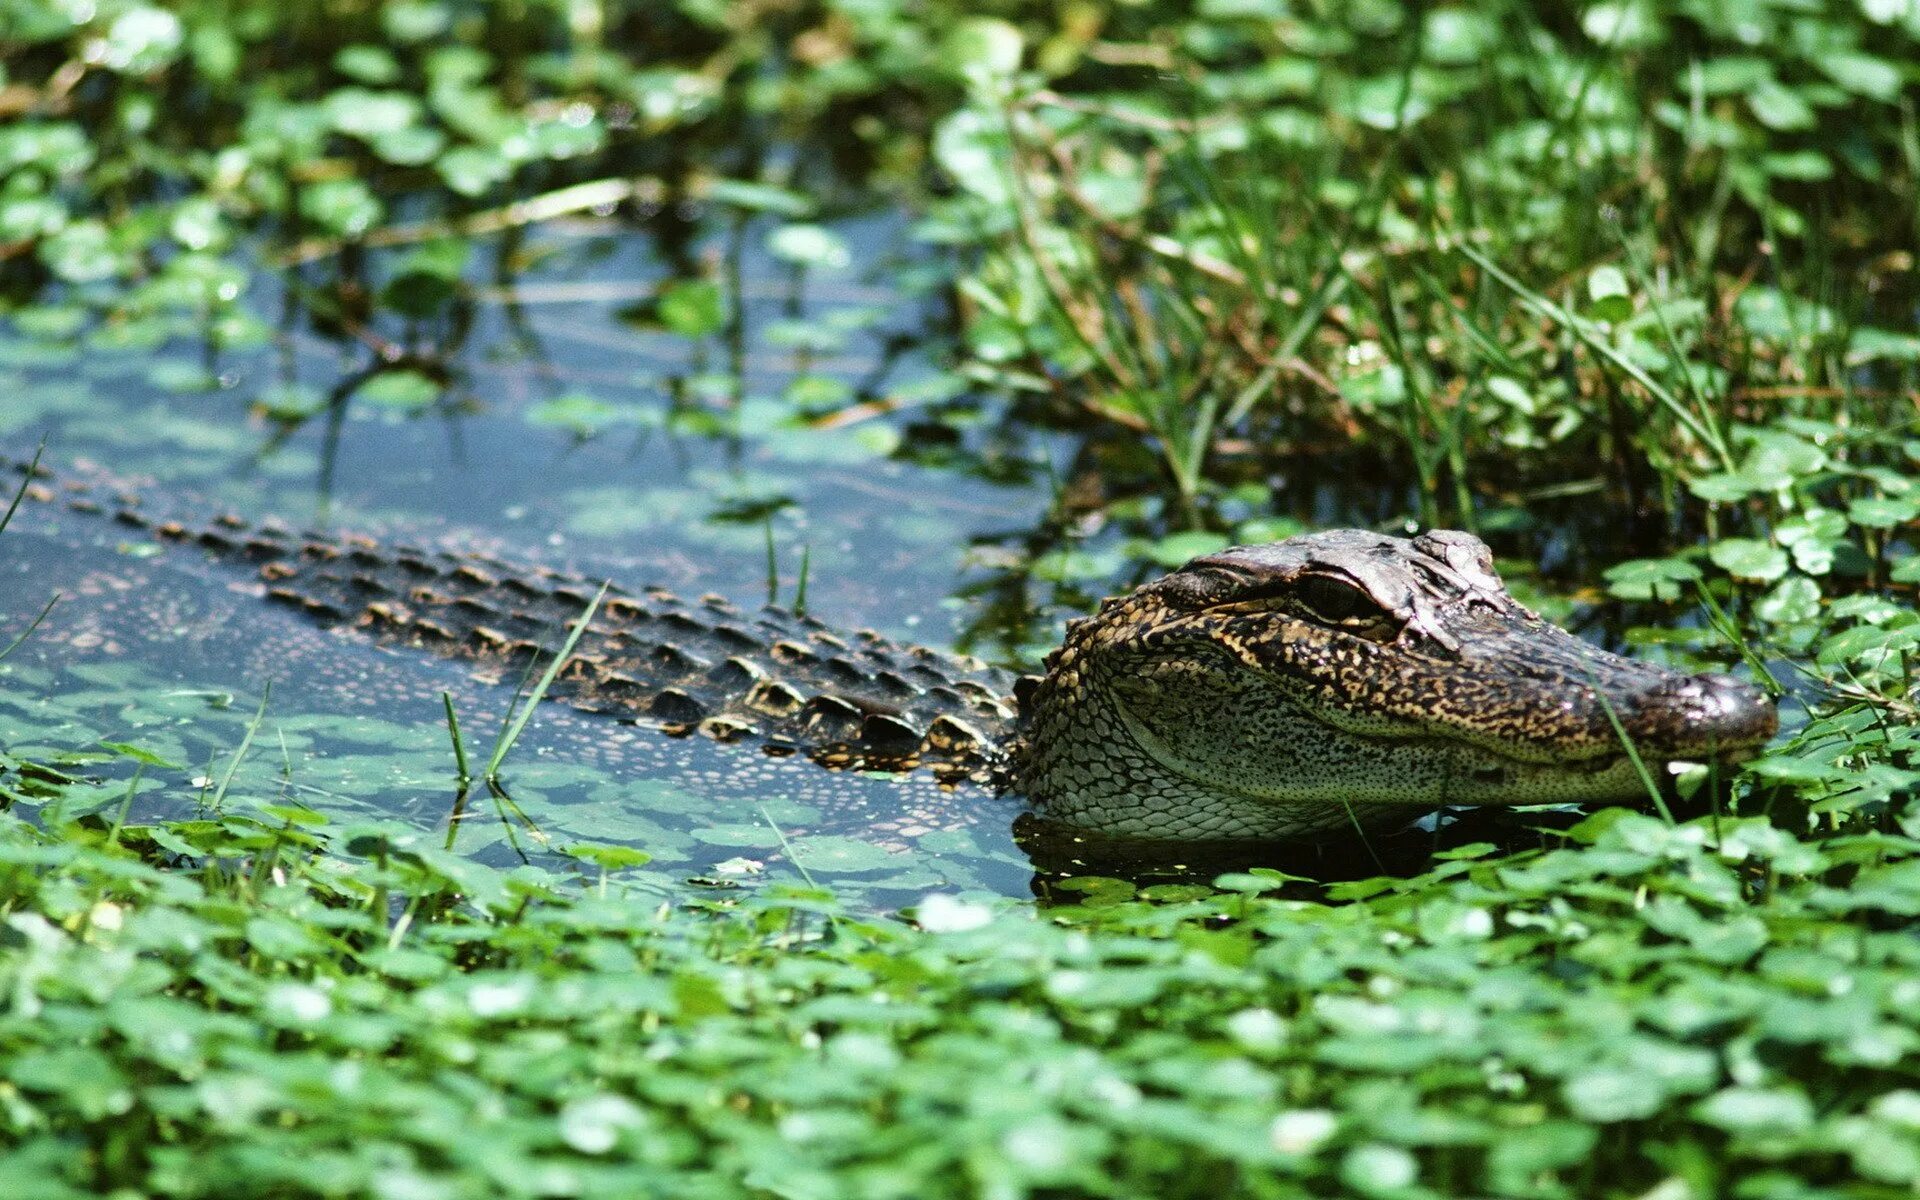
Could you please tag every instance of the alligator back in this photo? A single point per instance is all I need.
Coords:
(684, 665)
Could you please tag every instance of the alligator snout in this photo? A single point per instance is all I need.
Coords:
(1701, 715)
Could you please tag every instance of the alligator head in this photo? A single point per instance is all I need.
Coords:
(1345, 677)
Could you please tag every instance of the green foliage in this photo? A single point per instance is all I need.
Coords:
(1653, 260)
(1457, 234)
(304, 123)
(1651, 1007)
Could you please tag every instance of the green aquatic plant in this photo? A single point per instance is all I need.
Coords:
(214, 1007)
(1452, 244)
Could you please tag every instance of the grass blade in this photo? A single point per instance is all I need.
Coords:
(1707, 436)
(31, 626)
(1633, 752)
(511, 733)
(459, 744)
(246, 742)
(20, 493)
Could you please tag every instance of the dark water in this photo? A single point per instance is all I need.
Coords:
(702, 470)
(673, 489)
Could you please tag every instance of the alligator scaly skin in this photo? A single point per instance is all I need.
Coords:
(687, 666)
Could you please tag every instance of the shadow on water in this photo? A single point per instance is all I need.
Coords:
(1066, 860)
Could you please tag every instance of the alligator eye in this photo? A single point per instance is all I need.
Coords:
(1335, 602)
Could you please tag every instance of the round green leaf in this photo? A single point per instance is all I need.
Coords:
(1793, 600)
(1883, 512)
(1749, 558)
(1651, 578)
(693, 308)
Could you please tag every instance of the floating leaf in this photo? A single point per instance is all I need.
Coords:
(1749, 558)
(578, 413)
(611, 858)
(842, 855)
(136, 753)
(405, 390)
(1176, 549)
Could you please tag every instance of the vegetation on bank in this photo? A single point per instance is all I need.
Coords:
(266, 1007)
(1629, 290)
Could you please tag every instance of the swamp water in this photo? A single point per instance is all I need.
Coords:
(554, 419)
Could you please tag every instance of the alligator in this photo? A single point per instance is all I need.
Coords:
(1337, 680)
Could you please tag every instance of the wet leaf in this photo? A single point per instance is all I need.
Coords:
(841, 855)
(402, 390)
(1748, 558)
(578, 413)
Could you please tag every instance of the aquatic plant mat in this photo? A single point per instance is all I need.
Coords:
(242, 1007)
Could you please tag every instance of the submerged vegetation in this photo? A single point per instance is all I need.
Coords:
(1629, 290)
